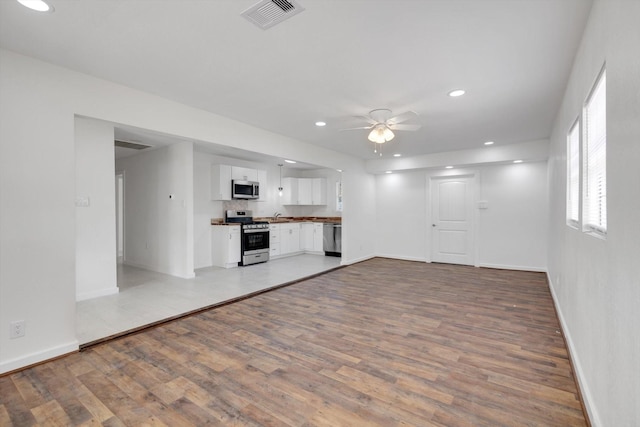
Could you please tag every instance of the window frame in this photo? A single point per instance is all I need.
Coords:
(594, 159)
(574, 204)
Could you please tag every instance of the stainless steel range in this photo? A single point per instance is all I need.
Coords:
(254, 235)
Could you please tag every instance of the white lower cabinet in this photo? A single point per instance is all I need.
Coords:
(284, 239)
(318, 228)
(312, 237)
(225, 245)
(307, 236)
(274, 240)
(296, 237)
(289, 238)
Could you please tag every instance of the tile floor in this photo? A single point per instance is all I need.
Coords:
(146, 297)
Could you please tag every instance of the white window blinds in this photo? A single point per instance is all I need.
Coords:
(573, 174)
(594, 207)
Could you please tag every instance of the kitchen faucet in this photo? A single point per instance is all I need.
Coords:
(276, 215)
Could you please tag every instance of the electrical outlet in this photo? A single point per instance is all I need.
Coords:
(16, 329)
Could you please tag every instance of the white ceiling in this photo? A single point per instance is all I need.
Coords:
(157, 139)
(335, 60)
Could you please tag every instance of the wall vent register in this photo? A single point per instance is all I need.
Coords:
(268, 13)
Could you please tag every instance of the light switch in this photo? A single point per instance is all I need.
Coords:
(82, 201)
(483, 204)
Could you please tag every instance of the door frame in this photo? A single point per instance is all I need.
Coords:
(120, 209)
(475, 195)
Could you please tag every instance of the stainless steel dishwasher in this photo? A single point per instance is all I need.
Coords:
(332, 239)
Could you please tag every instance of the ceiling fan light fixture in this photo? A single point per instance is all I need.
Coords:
(380, 134)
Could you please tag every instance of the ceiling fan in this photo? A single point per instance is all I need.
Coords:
(382, 124)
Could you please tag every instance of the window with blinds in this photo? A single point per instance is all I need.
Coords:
(573, 175)
(594, 207)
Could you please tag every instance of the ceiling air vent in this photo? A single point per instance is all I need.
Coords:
(132, 145)
(268, 13)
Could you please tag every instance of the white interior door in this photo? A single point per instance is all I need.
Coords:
(452, 220)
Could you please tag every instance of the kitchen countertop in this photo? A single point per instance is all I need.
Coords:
(284, 220)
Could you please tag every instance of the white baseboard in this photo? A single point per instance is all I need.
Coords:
(95, 294)
(40, 356)
(587, 397)
(189, 275)
(356, 260)
(402, 257)
(514, 267)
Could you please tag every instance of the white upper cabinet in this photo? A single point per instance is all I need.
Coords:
(221, 176)
(304, 191)
(244, 174)
(318, 191)
(290, 191)
(220, 182)
(262, 179)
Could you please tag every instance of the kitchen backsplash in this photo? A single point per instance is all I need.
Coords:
(235, 205)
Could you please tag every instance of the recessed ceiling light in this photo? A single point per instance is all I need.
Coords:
(517, 161)
(488, 143)
(456, 92)
(320, 124)
(448, 167)
(339, 170)
(289, 161)
(38, 5)
(388, 172)
(397, 155)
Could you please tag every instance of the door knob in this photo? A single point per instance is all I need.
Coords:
(433, 225)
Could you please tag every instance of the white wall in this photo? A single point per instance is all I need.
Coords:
(37, 216)
(358, 216)
(95, 223)
(158, 209)
(37, 211)
(512, 230)
(595, 282)
(401, 203)
(510, 233)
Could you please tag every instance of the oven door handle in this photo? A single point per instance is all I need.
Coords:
(256, 230)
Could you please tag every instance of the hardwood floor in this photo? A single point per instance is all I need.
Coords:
(379, 343)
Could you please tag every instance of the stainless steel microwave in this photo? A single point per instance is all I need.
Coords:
(245, 189)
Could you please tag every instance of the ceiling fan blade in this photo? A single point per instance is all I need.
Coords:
(368, 119)
(404, 127)
(358, 128)
(403, 117)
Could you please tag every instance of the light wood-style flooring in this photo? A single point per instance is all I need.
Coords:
(380, 343)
